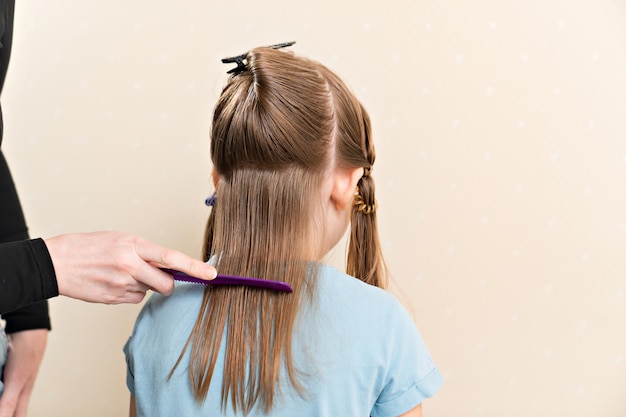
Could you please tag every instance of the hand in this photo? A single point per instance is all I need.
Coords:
(25, 354)
(114, 267)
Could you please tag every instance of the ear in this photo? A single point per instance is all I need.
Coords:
(215, 177)
(344, 186)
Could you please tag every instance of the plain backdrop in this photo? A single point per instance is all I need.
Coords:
(501, 175)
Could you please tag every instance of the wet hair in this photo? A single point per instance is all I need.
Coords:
(280, 125)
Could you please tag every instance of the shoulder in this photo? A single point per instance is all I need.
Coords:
(363, 307)
(338, 286)
(357, 308)
(385, 338)
(372, 327)
(173, 312)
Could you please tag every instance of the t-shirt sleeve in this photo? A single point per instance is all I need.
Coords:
(411, 376)
(130, 377)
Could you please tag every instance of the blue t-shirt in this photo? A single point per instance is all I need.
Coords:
(357, 352)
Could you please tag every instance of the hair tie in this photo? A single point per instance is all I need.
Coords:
(362, 207)
(239, 59)
(367, 171)
(210, 201)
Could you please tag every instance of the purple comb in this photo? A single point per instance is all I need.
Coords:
(230, 280)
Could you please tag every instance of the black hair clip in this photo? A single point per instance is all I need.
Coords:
(239, 59)
(240, 64)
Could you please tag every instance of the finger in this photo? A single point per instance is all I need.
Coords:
(169, 258)
(135, 297)
(126, 287)
(150, 277)
(198, 269)
(140, 288)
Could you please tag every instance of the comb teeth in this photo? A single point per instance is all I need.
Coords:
(188, 278)
(231, 280)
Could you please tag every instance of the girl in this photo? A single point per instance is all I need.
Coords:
(292, 153)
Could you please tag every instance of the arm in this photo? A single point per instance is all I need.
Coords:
(99, 267)
(133, 407)
(27, 330)
(25, 354)
(416, 412)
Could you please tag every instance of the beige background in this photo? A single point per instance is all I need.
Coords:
(501, 134)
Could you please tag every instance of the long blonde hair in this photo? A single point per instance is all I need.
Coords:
(278, 126)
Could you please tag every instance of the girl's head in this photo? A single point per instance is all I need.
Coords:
(292, 154)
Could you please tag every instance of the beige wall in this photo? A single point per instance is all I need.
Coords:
(501, 134)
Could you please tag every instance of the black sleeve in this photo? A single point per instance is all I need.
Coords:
(30, 317)
(7, 11)
(12, 228)
(12, 224)
(26, 274)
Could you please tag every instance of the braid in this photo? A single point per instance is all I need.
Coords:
(365, 258)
